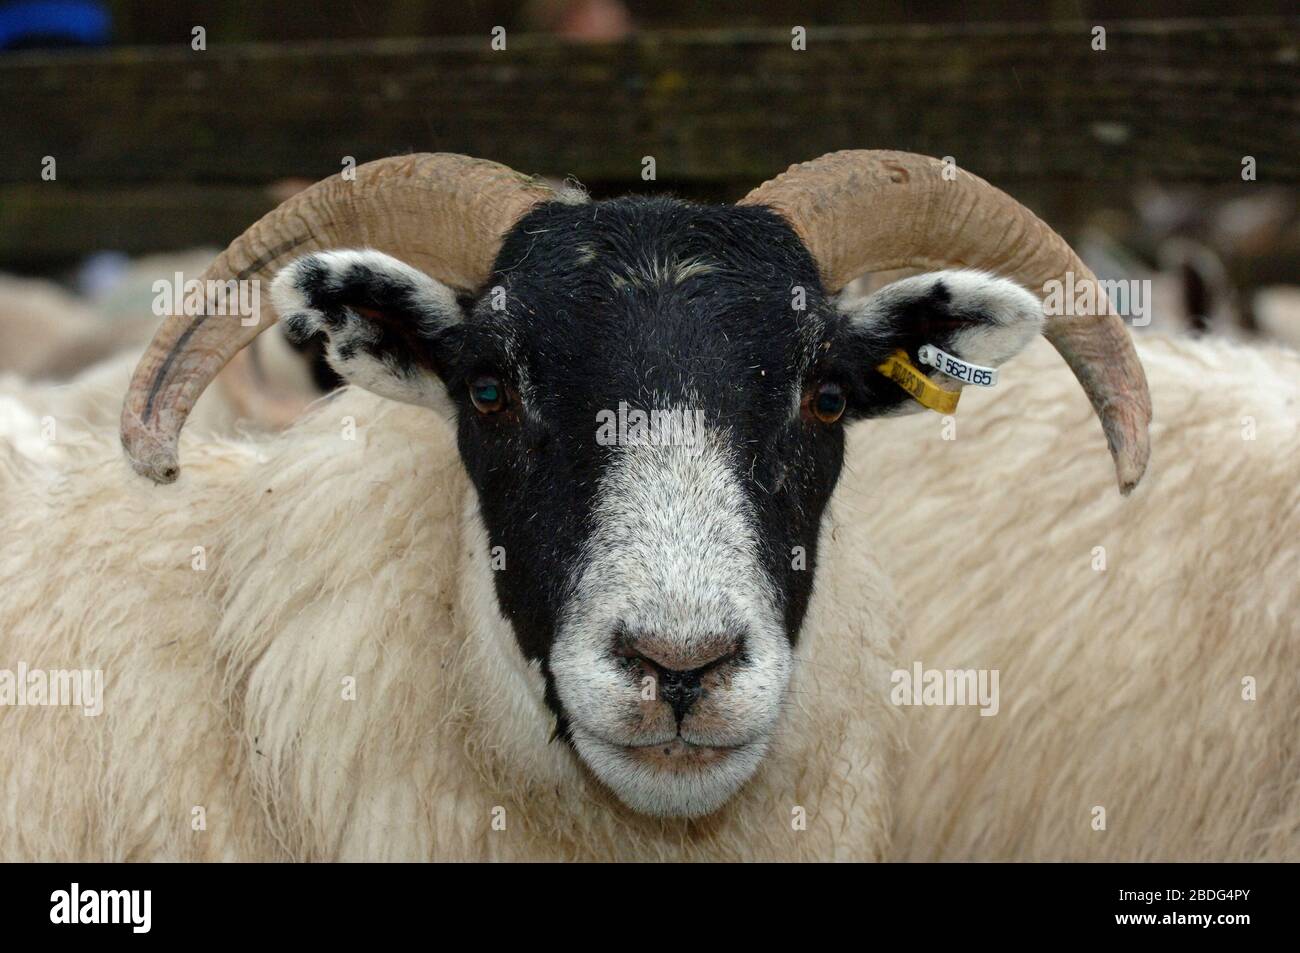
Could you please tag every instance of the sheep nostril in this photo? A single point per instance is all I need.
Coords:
(680, 690)
(679, 670)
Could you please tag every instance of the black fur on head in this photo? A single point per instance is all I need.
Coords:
(655, 303)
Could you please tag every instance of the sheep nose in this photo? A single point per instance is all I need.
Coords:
(680, 690)
(680, 670)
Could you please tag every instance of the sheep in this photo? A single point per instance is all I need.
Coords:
(44, 418)
(552, 646)
(235, 673)
(49, 334)
(228, 682)
(1147, 649)
(46, 332)
(87, 402)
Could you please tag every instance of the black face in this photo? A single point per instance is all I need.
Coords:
(652, 303)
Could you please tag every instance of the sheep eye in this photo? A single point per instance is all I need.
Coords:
(487, 394)
(828, 402)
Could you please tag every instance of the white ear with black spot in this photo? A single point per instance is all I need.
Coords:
(977, 317)
(384, 321)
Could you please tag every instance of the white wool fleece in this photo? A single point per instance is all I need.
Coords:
(335, 682)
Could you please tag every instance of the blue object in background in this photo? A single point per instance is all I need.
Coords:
(32, 24)
(101, 272)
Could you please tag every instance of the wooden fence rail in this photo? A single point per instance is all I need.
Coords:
(134, 131)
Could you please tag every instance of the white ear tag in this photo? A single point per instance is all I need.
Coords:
(956, 368)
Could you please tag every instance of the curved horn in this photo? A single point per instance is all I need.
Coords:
(443, 213)
(866, 210)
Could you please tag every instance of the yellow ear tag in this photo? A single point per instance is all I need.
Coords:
(926, 392)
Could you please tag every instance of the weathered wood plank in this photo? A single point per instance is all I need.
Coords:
(1179, 100)
(50, 223)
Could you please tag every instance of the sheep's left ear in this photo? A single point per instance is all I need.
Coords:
(977, 317)
(386, 323)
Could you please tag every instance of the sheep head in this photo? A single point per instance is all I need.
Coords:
(650, 400)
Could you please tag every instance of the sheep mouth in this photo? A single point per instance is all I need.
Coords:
(679, 754)
(673, 778)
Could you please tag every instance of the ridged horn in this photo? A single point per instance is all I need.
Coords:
(442, 213)
(868, 210)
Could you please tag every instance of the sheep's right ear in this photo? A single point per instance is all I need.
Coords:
(385, 322)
